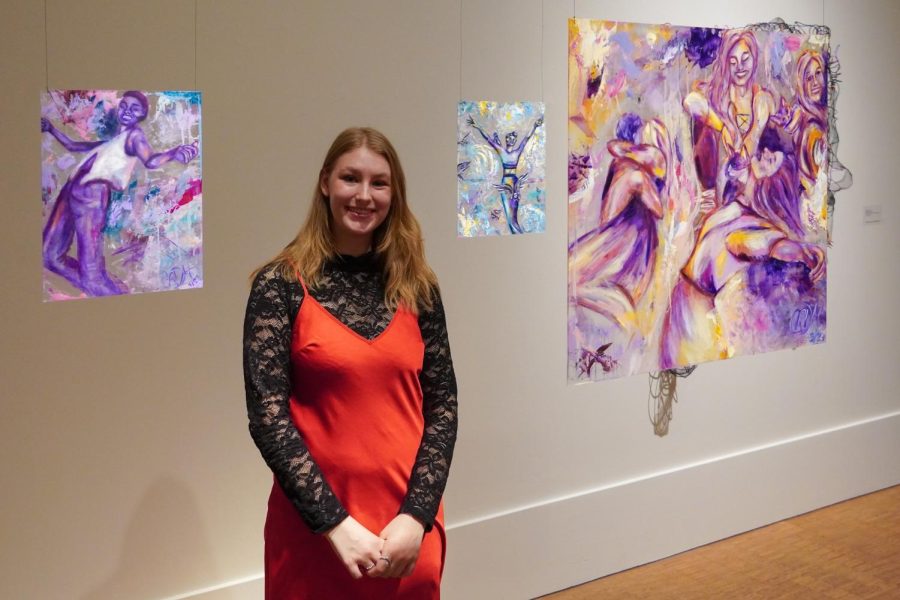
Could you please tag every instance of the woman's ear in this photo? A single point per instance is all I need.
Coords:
(323, 183)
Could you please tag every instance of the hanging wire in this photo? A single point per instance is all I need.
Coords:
(663, 396)
(196, 88)
(46, 51)
(460, 50)
(542, 52)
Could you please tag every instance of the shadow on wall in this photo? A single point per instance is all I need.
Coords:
(165, 548)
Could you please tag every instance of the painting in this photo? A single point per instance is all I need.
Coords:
(697, 183)
(500, 168)
(121, 192)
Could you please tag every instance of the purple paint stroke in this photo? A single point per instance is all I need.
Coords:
(628, 126)
(703, 45)
(593, 85)
(578, 166)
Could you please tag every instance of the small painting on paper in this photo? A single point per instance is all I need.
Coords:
(500, 168)
(121, 192)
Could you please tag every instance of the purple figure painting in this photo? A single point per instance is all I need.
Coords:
(698, 172)
(121, 192)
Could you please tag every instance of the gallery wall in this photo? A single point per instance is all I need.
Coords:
(128, 471)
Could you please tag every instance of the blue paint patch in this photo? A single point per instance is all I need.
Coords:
(190, 96)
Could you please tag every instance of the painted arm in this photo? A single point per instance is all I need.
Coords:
(763, 107)
(521, 146)
(787, 117)
(697, 105)
(771, 242)
(67, 142)
(139, 147)
(648, 157)
(811, 255)
(628, 182)
(471, 122)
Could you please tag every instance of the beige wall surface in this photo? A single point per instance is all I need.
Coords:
(127, 469)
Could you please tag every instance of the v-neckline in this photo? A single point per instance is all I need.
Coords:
(349, 329)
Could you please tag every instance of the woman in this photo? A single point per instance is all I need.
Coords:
(731, 105)
(350, 389)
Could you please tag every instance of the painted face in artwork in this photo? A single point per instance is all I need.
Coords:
(131, 111)
(740, 63)
(767, 163)
(813, 81)
(511, 138)
(358, 189)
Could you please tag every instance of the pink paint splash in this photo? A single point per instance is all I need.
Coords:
(617, 84)
(793, 42)
(194, 189)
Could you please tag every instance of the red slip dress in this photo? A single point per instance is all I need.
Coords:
(358, 405)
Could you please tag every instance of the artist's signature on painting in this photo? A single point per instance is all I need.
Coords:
(180, 277)
(803, 318)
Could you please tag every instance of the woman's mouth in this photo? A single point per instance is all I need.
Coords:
(360, 213)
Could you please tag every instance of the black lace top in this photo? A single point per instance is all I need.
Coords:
(352, 290)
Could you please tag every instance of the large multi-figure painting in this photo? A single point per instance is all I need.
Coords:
(121, 192)
(697, 194)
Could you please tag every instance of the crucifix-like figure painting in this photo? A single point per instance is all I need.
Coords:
(500, 168)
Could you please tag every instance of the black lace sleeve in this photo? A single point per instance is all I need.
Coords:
(267, 340)
(429, 475)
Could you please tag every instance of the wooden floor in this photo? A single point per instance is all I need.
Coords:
(849, 550)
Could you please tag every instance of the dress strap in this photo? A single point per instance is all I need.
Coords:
(302, 283)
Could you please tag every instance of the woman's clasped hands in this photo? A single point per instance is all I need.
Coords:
(392, 553)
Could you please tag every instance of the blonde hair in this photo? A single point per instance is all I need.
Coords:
(815, 108)
(398, 245)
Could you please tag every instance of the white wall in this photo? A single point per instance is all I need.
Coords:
(127, 470)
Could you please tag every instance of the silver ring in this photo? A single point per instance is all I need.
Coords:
(386, 559)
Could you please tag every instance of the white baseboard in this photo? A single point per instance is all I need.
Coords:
(552, 545)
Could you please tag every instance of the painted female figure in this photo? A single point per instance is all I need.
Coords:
(510, 154)
(731, 104)
(79, 212)
(614, 262)
(807, 122)
(759, 224)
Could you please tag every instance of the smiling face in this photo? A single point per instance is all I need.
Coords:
(740, 63)
(358, 190)
(131, 111)
(813, 81)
